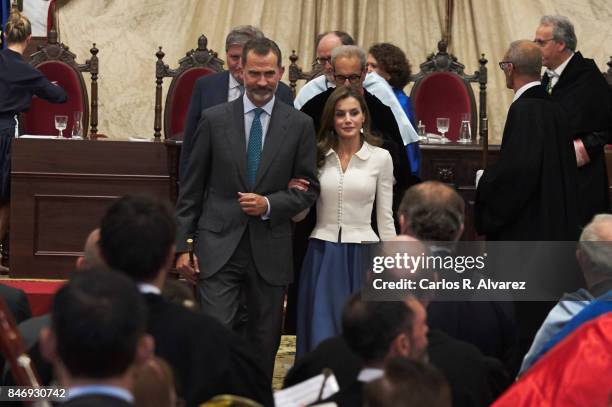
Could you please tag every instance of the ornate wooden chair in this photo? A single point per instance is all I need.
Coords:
(442, 89)
(296, 73)
(58, 64)
(196, 63)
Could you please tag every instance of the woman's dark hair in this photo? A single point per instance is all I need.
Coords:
(327, 137)
(393, 61)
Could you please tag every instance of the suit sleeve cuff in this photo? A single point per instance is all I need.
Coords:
(266, 216)
(582, 157)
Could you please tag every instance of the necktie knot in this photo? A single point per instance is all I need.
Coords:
(258, 111)
(551, 74)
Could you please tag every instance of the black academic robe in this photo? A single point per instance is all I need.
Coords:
(586, 98)
(530, 193)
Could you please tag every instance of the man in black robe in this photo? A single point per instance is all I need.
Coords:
(578, 85)
(530, 193)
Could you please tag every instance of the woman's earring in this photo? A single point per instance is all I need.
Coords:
(361, 130)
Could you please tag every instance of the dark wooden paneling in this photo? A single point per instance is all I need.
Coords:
(61, 189)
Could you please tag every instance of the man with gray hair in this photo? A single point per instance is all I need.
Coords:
(578, 85)
(530, 193)
(222, 87)
(594, 256)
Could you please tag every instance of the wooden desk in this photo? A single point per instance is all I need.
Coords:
(61, 189)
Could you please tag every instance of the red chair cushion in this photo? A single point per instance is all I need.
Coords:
(442, 94)
(39, 119)
(180, 97)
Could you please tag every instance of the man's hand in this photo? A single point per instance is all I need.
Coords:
(252, 204)
(299, 183)
(185, 269)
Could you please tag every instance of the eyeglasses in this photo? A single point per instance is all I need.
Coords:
(323, 60)
(355, 78)
(541, 43)
(504, 64)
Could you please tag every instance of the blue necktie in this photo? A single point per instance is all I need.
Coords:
(254, 148)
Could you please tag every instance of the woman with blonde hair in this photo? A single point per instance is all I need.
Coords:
(353, 173)
(19, 82)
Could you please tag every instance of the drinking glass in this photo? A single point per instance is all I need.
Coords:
(465, 131)
(60, 124)
(442, 124)
(77, 126)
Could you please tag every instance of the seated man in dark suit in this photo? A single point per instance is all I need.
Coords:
(222, 87)
(137, 238)
(97, 336)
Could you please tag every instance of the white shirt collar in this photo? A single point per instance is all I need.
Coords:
(146, 288)
(249, 106)
(363, 153)
(524, 88)
(368, 374)
(233, 83)
(559, 70)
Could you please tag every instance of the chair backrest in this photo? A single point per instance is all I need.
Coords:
(58, 64)
(296, 73)
(195, 64)
(442, 89)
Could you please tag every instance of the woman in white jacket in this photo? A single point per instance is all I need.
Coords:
(353, 173)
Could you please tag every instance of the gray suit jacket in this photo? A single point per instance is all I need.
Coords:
(208, 201)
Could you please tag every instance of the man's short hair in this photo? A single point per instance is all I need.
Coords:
(136, 236)
(344, 37)
(98, 318)
(370, 327)
(434, 211)
(408, 383)
(241, 34)
(526, 57)
(563, 30)
(349, 51)
(262, 47)
(596, 244)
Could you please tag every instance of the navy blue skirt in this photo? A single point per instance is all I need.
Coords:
(331, 272)
(7, 133)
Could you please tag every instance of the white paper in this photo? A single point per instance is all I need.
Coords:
(39, 137)
(306, 393)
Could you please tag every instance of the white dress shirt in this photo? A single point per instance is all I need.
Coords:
(524, 88)
(234, 89)
(555, 74)
(346, 198)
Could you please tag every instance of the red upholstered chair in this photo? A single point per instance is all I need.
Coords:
(442, 89)
(58, 64)
(296, 73)
(196, 63)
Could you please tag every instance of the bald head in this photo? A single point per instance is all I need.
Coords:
(526, 58)
(432, 211)
(91, 252)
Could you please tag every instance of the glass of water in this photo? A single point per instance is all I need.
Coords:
(442, 124)
(465, 131)
(61, 122)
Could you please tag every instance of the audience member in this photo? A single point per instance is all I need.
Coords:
(154, 385)
(408, 383)
(578, 85)
(594, 255)
(221, 87)
(390, 62)
(332, 269)
(137, 237)
(434, 212)
(375, 332)
(97, 338)
(17, 302)
(574, 373)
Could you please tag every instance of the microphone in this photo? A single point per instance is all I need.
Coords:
(326, 373)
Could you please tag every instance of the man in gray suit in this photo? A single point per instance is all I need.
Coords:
(236, 204)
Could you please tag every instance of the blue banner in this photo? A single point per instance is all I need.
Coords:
(5, 7)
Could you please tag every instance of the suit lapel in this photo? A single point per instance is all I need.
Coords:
(277, 128)
(568, 73)
(237, 138)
